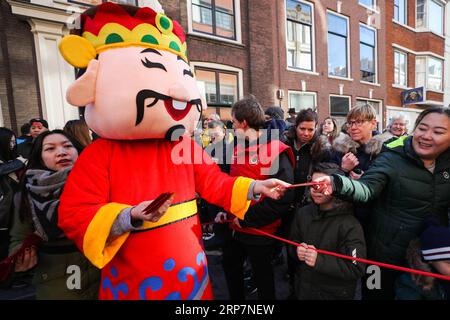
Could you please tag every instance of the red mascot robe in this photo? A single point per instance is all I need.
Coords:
(163, 260)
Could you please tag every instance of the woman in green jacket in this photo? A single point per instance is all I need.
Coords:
(62, 272)
(409, 181)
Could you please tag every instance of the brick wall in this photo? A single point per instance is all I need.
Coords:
(415, 41)
(18, 71)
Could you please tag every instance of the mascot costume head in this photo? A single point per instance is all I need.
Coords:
(140, 97)
(138, 83)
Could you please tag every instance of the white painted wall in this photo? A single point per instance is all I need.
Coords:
(49, 20)
(55, 74)
(447, 55)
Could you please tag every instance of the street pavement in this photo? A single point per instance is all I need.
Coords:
(22, 289)
(219, 285)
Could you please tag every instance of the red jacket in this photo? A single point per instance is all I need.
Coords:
(256, 161)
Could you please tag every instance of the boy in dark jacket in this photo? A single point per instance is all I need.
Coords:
(328, 224)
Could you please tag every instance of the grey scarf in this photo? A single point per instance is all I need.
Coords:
(44, 189)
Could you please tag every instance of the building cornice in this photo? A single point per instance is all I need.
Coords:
(417, 53)
(31, 10)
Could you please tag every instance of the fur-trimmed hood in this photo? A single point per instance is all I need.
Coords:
(344, 143)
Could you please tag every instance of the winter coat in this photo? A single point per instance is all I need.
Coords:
(366, 154)
(407, 289)
(334, 230)
(266, 213)
(57, 259)
(404, 193)
(9, 184)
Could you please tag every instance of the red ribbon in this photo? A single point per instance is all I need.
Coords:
(342, 256)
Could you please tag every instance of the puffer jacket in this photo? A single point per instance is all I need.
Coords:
(405, 192)
(334, 230)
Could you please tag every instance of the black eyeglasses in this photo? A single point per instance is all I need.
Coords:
(358, 123)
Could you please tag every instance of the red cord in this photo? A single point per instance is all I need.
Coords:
(381, 264)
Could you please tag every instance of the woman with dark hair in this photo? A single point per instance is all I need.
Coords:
(408, 182)
(51, 160)
(10, 169)
(79, 130)
(309, 149)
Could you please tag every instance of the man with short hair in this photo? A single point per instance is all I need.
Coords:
(292, 115)
(258, 157)
(25, 133)
(220, 151)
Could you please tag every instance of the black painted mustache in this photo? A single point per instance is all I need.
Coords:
(140, 101)
(144, 94)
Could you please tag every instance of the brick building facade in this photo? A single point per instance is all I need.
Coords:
(415, 54)
(327, 54)
(19, 89)
(259, 54)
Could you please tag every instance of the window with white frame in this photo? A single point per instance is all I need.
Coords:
(367, 52)
(400, 68)
(436, 14)
(221, 87)
(367, 3)
(378, 110)
(400, 11)
(214, 17)
(302, 100)
(299, 35)
(337, 45)
(429, 73)
(430, 15)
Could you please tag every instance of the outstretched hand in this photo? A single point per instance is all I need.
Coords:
(325, 187)
(272, 188)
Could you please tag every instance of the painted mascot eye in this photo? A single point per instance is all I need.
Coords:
(149, 64)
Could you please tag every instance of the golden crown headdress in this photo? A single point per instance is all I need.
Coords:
(114, 27)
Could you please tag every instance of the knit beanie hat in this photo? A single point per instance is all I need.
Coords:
(435, 243)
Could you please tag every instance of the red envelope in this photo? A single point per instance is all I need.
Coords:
(158, 202)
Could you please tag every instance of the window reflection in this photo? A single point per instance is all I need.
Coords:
(221, 88)
(367, 54)
(337, 46)
(214, 17)
(299, 36)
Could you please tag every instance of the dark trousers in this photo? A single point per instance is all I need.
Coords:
(260, 256)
